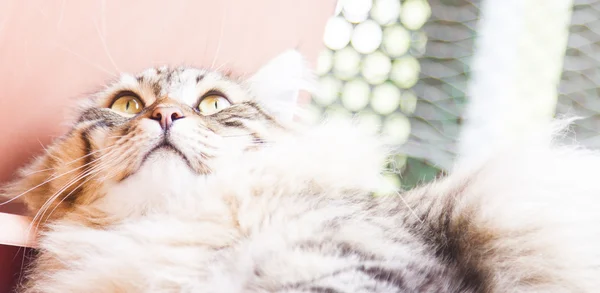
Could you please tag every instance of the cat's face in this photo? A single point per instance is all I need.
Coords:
(183, 114)
(152, 134)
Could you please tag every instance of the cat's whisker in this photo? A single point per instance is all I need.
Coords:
(223, 64)
(70, 162)
(119, 158)
(50, 180)
(105, 46)
(108, 175)
(412, 211)
(91, 176)
(259, 146)
(46, 150)
(78, 177)
(103, 16)
(391, 171)
(61, 14)
(87, 61)
(43, 208)
(220, 39)
(107, 149)
(38, 171)
(40, 214)
(237, 135)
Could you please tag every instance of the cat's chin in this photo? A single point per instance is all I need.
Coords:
(163, 176)
(167, 152)
(165, 165)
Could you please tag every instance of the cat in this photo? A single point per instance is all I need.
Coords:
(190, 180)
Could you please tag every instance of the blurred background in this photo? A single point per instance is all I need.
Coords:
(445, 80)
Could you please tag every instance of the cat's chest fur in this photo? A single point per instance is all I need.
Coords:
(277, 221)
(239, 244)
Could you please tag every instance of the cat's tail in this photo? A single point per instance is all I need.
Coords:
(526, 221)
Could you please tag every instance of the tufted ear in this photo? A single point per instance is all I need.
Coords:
(277, 84)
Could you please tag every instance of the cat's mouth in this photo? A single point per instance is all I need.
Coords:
(166, 146)
(161, 154)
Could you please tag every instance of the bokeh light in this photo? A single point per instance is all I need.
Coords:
(330, 88)
(415, 13)
(346, 63)
(386, 98)
(396, 40)
(396, 128)
(337, 33)
(324, 62)
(356, 10)
(376, 67)
(405, 72)
(337, 111)
(370, 121)
(367, 37)
(386, 12)
(355, 95)
(369, 68)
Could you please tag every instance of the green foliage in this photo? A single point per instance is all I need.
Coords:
(417, 172)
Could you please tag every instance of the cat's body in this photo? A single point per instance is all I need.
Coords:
(291, 210)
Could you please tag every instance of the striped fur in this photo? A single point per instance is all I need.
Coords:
(105, 146)
(248, 204)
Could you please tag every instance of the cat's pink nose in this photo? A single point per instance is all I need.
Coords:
(166, 115)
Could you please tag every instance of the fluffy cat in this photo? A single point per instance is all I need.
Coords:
(187, 180)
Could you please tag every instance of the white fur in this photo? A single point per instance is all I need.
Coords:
(277, 84)
(542, 199)
(173, 246)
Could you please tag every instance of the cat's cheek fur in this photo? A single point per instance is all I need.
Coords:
(150, 127)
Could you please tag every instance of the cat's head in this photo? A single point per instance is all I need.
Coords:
(151, 134)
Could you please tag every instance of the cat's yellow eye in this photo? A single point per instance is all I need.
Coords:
(212, 104)
(127, 104)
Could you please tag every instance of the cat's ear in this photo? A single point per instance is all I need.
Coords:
(277, 84)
